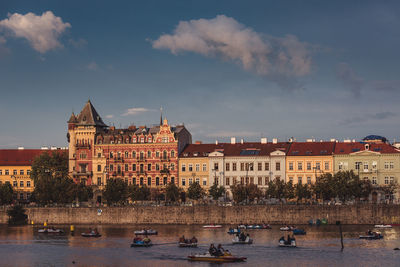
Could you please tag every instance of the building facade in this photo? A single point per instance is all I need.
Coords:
(139, 155)
(307, 160)
(15, 168)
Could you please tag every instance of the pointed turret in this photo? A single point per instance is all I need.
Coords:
(89, 116)
(73, 118)
(161, 120)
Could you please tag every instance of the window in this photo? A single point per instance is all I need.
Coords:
(165, 180)
(234, 166)
(172, 153)
(28, 183)
(111, 167)
(149, 154)
(259, 166)
(141, 181)
(266, 166)
(133, 167)
(28, 172)
(190, 181)
(278, 166)
(204, 181)
(157, 167)
(300, 166)
(157, 154)
(183, 167)
(149, 181)
(21, 196)
(242, 166)
(386, 180)
(374, 164)
(241, 180)
(391, 180)
(99, 168)
(299, 179)
(259, 181)
(227, 181)
(197, 180)
(83, 155)
(358, 165)
(391, 165)
(216, 166)
(15, 184)
(308, 180)
(172, 166)
(157, 180)
(133, 180)
(6, 172)
(165, 139)
(204, 167)
(183, 182)
(190, 167)
(291, 179)
(149, 167)
(98, 180)
(126, 167)
(1, 172)
(172, 180)
(340, 165)
(111, 155)
(197, 167)
(326, 165)
(365, 165)
(141, 139)
(126, 154)
(374, 180)
(21, 172)
(227, 166)
(317, 165)
(21, 183)
(266, 180)
(133, 154)
(308, 166)
(291, 166)
(15, 172)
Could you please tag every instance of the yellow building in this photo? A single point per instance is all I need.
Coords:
(15, 168)
(308, 160)
(194, 165)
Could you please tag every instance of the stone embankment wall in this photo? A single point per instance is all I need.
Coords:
(273, 214)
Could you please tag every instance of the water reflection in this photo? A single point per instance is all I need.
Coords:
(24, 246)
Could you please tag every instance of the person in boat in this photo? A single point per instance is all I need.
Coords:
(369, 232)
(182, 239)
(212, 250)
(282, 239)
(242, 237)
(193, 240)
(95, 231)
(220, 250)
(146, 240)
(247, 237)
(137, 239)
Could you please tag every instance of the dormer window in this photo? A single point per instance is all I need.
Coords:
(141, 139)
(84, 118)
(149, 139)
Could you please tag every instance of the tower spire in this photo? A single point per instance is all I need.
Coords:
(161, 121)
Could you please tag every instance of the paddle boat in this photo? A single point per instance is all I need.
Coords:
(187, 243)
(233, 231)
(240, 240)
(146, 232)
(372, 235)
(297, 231)
(287, 243)
(382, 226)
(209, 258)
(242, 226)
(212, 226)
(286, 228)
(50, 230)
(92, 233)
(139, 242)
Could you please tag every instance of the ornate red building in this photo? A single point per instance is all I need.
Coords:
(139, 155)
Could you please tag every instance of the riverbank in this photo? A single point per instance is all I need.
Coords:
(273, 214)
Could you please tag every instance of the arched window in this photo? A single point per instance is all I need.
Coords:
(148, 154)
(126, 154)
(133, 154)
(165, 154)
(149, 181)
(172, 153)
(157, 180)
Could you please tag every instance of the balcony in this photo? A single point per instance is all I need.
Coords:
(83, 146)
(143, 159)
(164, 171)
(141, 172)
(119, 159)
(120, 173)
(82, 173)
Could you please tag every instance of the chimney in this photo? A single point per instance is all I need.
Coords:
(216, 142)
(346, 141)
(264, 140)
(44, 148)
(274, 140)
(233, 140)
(21, 148)
(310, 140)
(241, 141)
(366, 146)
(333, 140)
(291, 140)
(198, 142)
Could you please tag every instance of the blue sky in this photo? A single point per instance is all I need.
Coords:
(322, 69)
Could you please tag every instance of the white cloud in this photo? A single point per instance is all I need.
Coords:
(42, 32)
(135, 111)
(109, 116)
(277, 58)
(92, 66)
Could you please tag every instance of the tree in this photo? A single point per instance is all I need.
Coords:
(17, 216)
(389, 190)
(54, 165)
(195, 191)
(238, 193)
(302, 191)
(156, 194)
(139, 193)
(216, 191)
(82, 192)
(116, 191)
(289, 190)
(6, 194)
(171, 192)
(271, 190)
(253, 192)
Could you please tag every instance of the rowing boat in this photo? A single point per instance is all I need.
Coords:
(146, 232)
(209, 258)
(187, 245)
(211, 226)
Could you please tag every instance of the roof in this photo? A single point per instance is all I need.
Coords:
(16, 157)
(89, 116)
(245, 149)
(72, 119)
(311, 149)
(348, 148)
(375, 137)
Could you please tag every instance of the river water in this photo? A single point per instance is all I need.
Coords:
(23, 246)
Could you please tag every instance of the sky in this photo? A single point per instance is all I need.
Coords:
(244, 69)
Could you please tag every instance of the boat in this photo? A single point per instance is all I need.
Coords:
(286, 228)
(283, 243)
(372, 235)
(242, 226)
(91, 234)
(236, 240)
(187, 245)
(297, 231)
(146, 232)
(209, 258)
(324, 221)
(382, 226)
(233, 231)
(212, 226)
(310, 222)
(50, 231)
(139, 242)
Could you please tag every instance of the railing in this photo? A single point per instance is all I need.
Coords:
(165, 159)
(82, 173)
(141, 158)
(141, 172)
(166, 171)
(120, 159)
(82, 146)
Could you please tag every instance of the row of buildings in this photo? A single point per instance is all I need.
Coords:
(157, 155)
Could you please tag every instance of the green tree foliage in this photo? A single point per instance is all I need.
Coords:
(6, 194)
(276, 189)
(288, 190)
(82, 192)
(216, 191)
(195, 191)
(156, 194)
(172, 192)
(141, 193)
(238, 193)
(50, 165)
(17, 216)
(302, 191)
(116, 191)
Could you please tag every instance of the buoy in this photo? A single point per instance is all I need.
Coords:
(72, 228)
(32, 222)
(45, 223)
